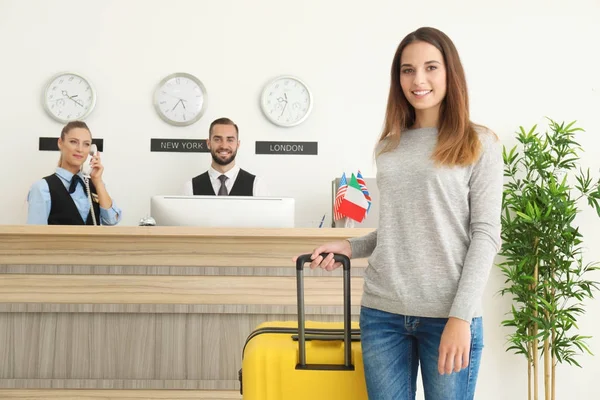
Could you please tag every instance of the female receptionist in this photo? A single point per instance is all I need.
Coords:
(75, 194)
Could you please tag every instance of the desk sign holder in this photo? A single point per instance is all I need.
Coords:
(299, 148)
(179, 145)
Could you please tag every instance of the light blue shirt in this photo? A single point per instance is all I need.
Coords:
(40, 202)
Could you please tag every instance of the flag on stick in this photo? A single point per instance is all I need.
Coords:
(354, 205)
(339, 196)
(363, 188)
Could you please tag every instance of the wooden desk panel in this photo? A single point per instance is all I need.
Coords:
(182, 246)
(74, 394)
(149, 307)
(210, 290)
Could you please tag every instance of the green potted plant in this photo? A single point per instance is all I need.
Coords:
(542, 250)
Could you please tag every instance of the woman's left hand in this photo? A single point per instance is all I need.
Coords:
(97, 168)
(455, 346)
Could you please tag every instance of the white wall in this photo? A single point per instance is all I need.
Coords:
(524, 61)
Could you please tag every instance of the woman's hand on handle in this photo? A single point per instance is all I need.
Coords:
(327, 263)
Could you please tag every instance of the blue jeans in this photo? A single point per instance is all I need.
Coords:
(394, 345)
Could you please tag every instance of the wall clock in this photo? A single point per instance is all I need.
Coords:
(180, 99)
(69, 96)
(286, 101)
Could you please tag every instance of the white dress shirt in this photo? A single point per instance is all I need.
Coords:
(259, 189)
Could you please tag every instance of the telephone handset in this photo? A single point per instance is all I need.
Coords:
(86, 171)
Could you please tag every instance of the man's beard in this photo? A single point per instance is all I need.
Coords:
(220, 161)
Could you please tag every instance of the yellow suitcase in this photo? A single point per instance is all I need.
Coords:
(305, 360)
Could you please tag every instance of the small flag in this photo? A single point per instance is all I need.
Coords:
(363, 188)
(354, 205)
(339, 196)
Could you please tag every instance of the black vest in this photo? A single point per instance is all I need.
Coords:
(63, 210)
(243, 185)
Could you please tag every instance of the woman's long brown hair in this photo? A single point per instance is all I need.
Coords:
(458, 143)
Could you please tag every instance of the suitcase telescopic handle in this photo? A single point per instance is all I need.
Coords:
(300, 261)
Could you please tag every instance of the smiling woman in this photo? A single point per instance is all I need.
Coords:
(440, 180)
(59, 199)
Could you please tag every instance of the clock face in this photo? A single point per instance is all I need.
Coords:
(69, 97)
(286, 101)
(180, 99)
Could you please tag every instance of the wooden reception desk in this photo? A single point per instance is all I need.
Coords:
(150, 307)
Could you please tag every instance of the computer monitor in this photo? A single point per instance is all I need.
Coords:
(223, 211)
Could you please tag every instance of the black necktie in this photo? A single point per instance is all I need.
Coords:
(74, 181)
(223, 188)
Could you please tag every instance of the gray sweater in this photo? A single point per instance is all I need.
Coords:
(438, 232)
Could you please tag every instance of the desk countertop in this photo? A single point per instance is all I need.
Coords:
(153, 245)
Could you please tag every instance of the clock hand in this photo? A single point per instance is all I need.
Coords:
(176, 104)
(65, 93)
(282, 111)
(178, 98)
(75, 101)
